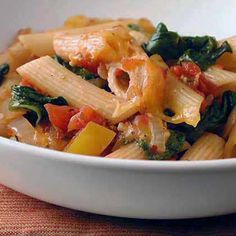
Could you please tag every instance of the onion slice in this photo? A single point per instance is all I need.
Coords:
(159, 133)
(26, 133)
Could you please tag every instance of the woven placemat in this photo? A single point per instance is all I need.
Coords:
(22, 215)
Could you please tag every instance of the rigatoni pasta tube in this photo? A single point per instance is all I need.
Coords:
(18, 55)
(208, 147)
(230, 123)
(129, 151)
(230, 146)
(146, 81)
(220, 77)
(101, 46)
(55, 80)
(228, 60)
(15, 56)
(41, 44)
(183, 101)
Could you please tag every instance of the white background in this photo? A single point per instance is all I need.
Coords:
(213, 17)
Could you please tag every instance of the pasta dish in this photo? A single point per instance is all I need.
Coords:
(120, 89)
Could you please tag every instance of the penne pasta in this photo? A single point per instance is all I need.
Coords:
(151, 88)
(230, 146)
(230, 123)
(56, 80)
(208, 147)
(220, 77)
(140, 37)
(183, 101)
(145, 80)
(18, 55)
(102, 46)
(41, 44)
(129, 151)
(79, 21)
(15, 56)
(228, 60)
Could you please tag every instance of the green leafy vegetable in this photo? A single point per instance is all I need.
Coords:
(173, 146)
(204, 51)
(77, 70)
(27, 98)
(204, 58)
(134, 27)
(4, 69)
(213, 119)
(165, 43)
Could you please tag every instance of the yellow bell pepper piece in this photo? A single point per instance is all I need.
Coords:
(92, 140)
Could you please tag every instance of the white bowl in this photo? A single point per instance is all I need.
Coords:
(139, 189)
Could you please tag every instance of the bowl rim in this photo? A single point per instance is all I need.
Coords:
(143, 165)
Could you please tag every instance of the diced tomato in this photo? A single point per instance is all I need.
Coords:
(81, 119)
(60, 116)
(177, 70)
(199, 83)
(190, 69)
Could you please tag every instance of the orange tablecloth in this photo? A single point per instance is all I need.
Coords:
(22, 215)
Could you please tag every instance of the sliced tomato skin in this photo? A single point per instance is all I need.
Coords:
(60, 116)
(83, 117)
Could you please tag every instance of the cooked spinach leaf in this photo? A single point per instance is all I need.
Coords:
(77, 70)
(4, 69)
(165, 43)
(27, 98)
(204, 51)
(205, 58)
(174, 145)
(212, 120)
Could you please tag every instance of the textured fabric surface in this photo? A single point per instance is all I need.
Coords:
(22, 215)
